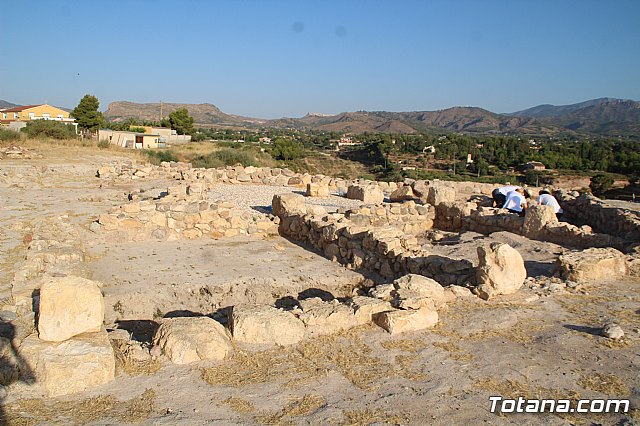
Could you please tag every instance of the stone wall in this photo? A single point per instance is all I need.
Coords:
(454, 212)
(130, 170)
(182, 213)
(536, 224)
(589, 210)
(376, 239)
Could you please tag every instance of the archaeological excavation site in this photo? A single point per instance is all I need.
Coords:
(167, 294)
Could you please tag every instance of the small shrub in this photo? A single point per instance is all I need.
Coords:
(9, 135)
(104, 144)
(49, 129)
(136, 129)
(158, 156)
(225, 157)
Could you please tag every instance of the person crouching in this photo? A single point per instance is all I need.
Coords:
(516, 201)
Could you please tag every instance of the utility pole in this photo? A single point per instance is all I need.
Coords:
(160, 112)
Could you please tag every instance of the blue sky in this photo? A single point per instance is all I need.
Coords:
(275, 58)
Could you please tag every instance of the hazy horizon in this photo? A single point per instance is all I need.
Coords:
(282, 58)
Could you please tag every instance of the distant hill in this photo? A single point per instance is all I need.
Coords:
(5, 104)
(458, 119)
(203, 114)
(604, 116)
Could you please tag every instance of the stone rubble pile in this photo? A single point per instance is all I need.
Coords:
(18, 152)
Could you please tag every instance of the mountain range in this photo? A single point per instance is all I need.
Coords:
(604, 116)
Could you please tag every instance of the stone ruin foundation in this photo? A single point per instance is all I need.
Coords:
(60, 315)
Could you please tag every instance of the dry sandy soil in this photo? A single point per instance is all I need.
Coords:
(543, 342)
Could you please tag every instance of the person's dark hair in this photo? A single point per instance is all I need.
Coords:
(544, 191)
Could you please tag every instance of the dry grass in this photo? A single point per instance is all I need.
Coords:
(607, 384)
(522, 332)
(344, 352)
(239, 405)
(130, 366)
(405, 367)
(298, 407)
(36, 411)
(456, 352)
(368, 417)
(405, 345)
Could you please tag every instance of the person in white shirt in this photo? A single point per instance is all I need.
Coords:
(516, 202)
(546, 199)
(499, 195)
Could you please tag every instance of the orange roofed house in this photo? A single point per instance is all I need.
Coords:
(17, 117)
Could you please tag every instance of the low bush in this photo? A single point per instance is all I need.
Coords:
(9, 135)
(49, 129)
(225, 157)
(157, 156)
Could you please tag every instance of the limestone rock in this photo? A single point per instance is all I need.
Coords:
(369, 194)
(536, 218)
(69, 306)
(440, 194)
(383, 292)
(401, 194)
(62, 368)
(317, 190)
(322, 317)
(500, 270)
(420, 188)
(366, 308)
(407, 320)
(190, 339)
(457, 291)
(413, 285)
(612, 331)
(263, 324)
(288, 204)
(593, 264)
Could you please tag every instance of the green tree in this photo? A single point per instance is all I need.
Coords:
(600, 183)
(284, 149)
(87, 116)
(181, 121)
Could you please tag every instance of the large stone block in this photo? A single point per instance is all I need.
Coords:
(593, 264)
(536, 218)
(317, 190)
(500, 270)
(288, 204)
(417, 287)
(440, 194)
(366, 308)
(401, 194)
(62, 368)
(369, 194)
(407, 320)
(263, 324)
(69, 306)
(322, 317)
(190, 339)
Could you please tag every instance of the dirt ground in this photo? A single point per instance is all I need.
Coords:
(543, 342)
